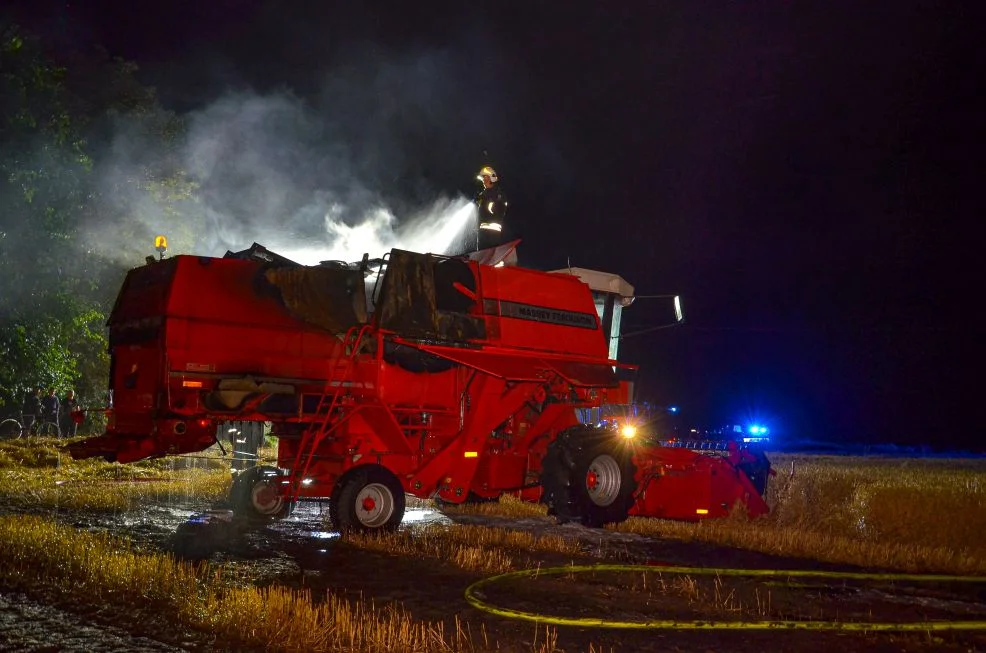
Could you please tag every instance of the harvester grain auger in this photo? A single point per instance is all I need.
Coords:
(454, 378)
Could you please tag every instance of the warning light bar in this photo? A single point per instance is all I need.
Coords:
(191, 384)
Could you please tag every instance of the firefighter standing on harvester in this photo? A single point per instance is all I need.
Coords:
(492, 203)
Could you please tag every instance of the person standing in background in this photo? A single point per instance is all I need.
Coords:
(69, 405)
(31, 410)
(49, 405)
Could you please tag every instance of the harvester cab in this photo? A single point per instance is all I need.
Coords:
(611, 293)
(441, 377)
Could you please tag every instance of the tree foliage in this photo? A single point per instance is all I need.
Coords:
(64, 189)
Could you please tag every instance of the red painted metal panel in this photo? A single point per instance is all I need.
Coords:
(688, 485)
(528, 309)
(529, 366)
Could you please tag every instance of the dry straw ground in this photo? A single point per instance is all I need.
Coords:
(906, 514)
(895, 514)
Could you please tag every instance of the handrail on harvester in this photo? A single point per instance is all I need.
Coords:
(375, 294)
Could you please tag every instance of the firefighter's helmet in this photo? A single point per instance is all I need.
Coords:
(487, 171)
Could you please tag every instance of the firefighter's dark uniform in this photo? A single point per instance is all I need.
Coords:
(492, 203)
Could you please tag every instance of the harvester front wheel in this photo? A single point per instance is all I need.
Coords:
(589, 477)
(366, 499)
(256, 494)
(604, 484)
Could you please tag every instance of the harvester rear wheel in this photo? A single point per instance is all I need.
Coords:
(589, 476)
(256, 494)
(367, 498)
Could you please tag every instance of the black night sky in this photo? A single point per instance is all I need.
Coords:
(807, 178)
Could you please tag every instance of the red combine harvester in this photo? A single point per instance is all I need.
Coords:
(457, 378)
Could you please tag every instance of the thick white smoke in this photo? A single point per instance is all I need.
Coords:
(263, 170)
(311, 180)
(444, 228)
(373, 151)
(274, 170)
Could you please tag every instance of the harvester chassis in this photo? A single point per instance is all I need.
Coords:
(466, 380)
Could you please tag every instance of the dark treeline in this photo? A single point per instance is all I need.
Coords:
(88, 173)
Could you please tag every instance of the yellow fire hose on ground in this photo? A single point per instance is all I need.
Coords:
(473, 597)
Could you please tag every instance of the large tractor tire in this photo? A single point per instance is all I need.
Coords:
(365, 499)
(256, 494)
(588, 476)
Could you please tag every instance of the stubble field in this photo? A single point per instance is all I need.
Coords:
(149, 552)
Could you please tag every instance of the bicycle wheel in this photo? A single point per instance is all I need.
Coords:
(47, 430)
(10, 429)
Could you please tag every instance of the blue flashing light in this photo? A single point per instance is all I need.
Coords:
(756, 429)
(672, 409)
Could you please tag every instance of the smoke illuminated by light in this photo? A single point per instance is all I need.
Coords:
(274, 170)
(444, 228)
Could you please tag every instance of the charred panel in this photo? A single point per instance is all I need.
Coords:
(428, 297)
(330, 298)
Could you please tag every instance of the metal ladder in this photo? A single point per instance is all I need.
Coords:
(340, 374)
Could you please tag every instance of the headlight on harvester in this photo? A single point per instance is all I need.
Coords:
(629, 431)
